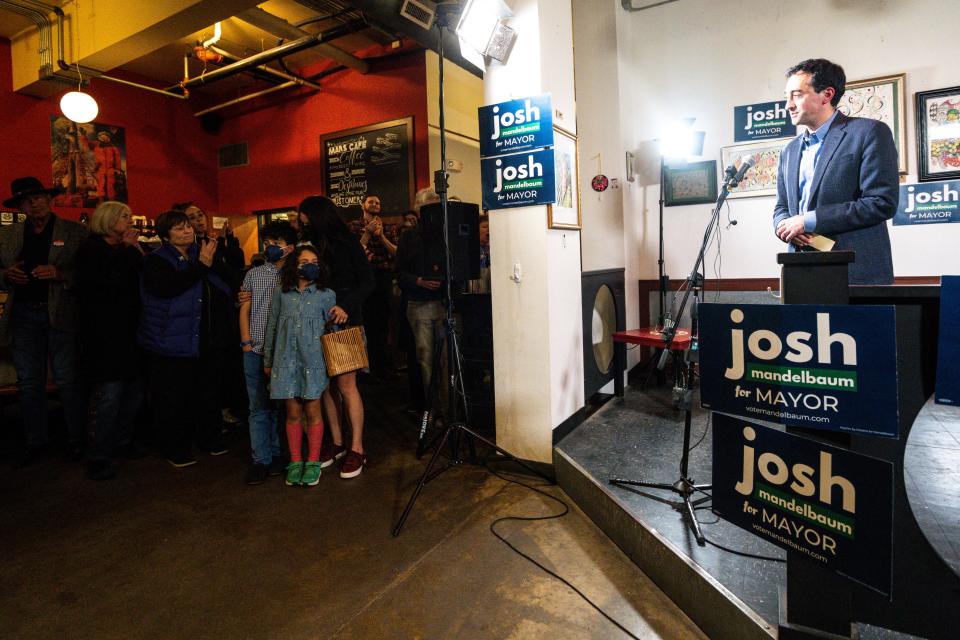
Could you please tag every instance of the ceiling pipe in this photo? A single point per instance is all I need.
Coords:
(244, 98)
(272, 54)
(282, 29)
(229, 103)
(267, 70)
(628, 5)
(42, 22)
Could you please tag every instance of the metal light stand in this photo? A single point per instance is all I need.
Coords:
(685, 486)
(456, 422)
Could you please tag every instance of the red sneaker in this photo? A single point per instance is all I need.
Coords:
(352, 465)
(330, 453)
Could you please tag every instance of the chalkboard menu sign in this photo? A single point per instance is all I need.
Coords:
(377, 159)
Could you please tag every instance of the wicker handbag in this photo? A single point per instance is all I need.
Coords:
(344, 351)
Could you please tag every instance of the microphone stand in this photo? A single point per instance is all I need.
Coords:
(685, 487)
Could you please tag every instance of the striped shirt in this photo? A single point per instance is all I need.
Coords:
(261, 282)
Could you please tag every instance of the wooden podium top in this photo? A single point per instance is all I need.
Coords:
(653, 337)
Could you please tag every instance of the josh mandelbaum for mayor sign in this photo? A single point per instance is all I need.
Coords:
(833, 507)
(820, 367)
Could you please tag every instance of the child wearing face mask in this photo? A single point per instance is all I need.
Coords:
(301, 308)
(257, 290)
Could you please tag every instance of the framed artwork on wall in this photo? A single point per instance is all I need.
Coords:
(938, 134)
(564, 213)
(761, 179)
(691, 183)
(880, 99)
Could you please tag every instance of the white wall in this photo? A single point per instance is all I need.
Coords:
(598, 129)
(538, 341)
(463, 94)
(701, 58)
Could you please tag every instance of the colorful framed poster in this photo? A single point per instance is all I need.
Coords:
(761, 180)
(880, 99)
(89, 162)
(938, 133)
(691, 183)
(564, 213)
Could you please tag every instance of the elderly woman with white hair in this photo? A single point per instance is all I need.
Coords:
(108, 285)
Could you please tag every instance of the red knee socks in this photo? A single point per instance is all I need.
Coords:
(295, 441)
(314, 437)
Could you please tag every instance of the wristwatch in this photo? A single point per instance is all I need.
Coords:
(246, 343)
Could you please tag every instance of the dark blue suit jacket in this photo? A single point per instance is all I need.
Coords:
(855, 190)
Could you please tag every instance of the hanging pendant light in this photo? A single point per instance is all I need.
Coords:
(76, 105)
(79, 106)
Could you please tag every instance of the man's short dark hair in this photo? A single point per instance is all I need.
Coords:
(168, 220)
(371, 195)
(823, 74)
(181, 206)
(279, 230)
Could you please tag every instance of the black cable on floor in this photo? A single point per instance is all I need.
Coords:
(566, 510)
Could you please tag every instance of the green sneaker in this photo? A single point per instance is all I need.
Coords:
(311, 474)
(294, 473)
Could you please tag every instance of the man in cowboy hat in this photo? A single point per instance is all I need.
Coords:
(39, 320)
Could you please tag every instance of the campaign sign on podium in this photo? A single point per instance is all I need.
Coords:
(833, 506)
(948, 347)
(515, 125)
(519, 180)
(830, 367)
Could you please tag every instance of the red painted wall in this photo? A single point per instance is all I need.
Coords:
(169, 157)
(283, 141)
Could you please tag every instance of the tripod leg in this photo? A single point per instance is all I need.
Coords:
(692, 518)
(432, 398)
(460, 388)
(422, 482)
(506, 454)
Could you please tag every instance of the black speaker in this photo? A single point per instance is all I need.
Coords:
(464, 239)
(604, 312)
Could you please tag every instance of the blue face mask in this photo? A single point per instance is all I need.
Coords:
(309, 271)
(273, 253)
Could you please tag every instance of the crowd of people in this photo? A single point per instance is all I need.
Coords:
(185, 332)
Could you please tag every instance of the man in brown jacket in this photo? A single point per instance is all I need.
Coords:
(39, 319)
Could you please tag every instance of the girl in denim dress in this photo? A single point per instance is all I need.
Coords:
(302, 306)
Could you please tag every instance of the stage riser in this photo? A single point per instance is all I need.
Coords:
(713, 608)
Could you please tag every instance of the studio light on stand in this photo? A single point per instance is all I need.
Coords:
(482, 32)
(678, 143)
(477, 16)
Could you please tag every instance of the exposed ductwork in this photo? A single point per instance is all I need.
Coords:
(283, 29)
(269, 55)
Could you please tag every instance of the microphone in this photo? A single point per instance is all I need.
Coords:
(745, 165)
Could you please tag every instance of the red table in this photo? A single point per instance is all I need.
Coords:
(647, 337)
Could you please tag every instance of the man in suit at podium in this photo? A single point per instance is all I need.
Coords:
(839, 179)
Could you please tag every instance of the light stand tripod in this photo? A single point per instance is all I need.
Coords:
(456, 398)
(685, 486)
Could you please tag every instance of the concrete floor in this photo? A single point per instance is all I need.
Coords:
(195, 553)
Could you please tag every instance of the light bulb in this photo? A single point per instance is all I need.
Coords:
(79, 106)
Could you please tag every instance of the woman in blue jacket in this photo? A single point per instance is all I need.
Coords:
(186, 323)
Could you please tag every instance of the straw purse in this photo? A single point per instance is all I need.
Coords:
(344, 351)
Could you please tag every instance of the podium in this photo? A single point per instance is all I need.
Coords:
(925, 597)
